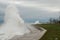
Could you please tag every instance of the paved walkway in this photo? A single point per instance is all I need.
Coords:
(35, 34)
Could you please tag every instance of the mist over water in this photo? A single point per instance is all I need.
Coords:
(13, 24)
(13, 14)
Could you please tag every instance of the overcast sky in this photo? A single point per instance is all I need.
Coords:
(35, 9)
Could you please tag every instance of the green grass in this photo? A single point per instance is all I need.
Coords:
(53, 31)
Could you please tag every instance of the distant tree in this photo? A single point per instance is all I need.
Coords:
(59, 20)
(55, 20)
(51, 20)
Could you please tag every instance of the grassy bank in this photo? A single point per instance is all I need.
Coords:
(53, 31)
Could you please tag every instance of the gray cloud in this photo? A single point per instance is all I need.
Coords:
(35, 9)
